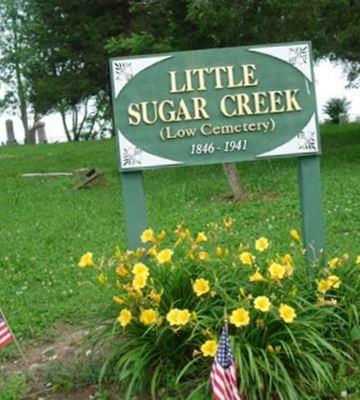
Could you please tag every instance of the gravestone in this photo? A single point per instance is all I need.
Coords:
(343, 118)
(10, 132)
(39, 127)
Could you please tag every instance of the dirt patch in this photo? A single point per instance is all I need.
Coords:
(39, 356)
(229, 198)
(64, 354)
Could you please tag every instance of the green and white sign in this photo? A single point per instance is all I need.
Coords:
(215, 106)
(218, 106)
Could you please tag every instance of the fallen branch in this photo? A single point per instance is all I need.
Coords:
(47, 175)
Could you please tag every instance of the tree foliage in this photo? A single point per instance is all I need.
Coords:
(15, 51)
(69, 64)
(339, 33)
(337, 107)
(62, 47)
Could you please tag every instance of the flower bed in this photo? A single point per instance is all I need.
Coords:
(291, 325)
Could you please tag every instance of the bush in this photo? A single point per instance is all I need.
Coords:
(337, 107)
(290, 327)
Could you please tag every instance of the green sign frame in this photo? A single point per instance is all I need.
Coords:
(217, 106)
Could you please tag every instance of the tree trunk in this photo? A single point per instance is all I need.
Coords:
(21, 92)
(66, 129)
(233, 178)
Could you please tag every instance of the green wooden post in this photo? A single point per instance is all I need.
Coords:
(134, 207)
(311, 207)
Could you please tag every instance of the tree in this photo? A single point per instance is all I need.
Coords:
(338, 35)
(336, 107)
(69, 69)
(15, 52)
(195, 24)
(73, 38)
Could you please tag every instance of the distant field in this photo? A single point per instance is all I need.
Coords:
(45, 227)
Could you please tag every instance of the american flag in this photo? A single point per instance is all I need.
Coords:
(5, 334)
(223, 373)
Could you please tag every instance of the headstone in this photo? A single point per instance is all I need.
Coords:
(343, 118)
(10, 132)
(39, 126)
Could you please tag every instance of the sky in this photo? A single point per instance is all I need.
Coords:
(330, 81)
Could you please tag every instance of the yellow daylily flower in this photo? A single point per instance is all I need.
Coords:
(118, 300)
(287, 259)
(289, 270)
(247, 258)
(262, 303)
(121, 270)
(154, 296)
(256, 277)
(161, 235)
(334, 281)
(172, 316)
(124, 317)
(102, 278)
(148, 316)
(201, 237)
(204, 256)
(164, 256)
(333, 262)
(262, 244)
(183, 317)
(147, 235)
(288, 264)
(178, 317)
(287, 313)
(152, 252)
(277, 271)
(228, 223)
(295, 235)
(218, 252)
(201, 286)
(139, 281)
(86, 260)
(240, 317)
(323, 286)
(209, 348)
(140, 269)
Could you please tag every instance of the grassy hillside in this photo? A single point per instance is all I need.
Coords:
(45, 227)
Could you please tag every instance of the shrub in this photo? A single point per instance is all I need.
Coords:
(290, 326)
(335, 106)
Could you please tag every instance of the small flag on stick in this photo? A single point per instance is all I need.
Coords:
(7, 336)
(5, 333)
(223, 373)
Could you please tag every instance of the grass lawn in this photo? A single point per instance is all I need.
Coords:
(45, 227)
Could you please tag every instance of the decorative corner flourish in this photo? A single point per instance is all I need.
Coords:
(131, 156)
(298, 55)
(123, 71)
(307, 140)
